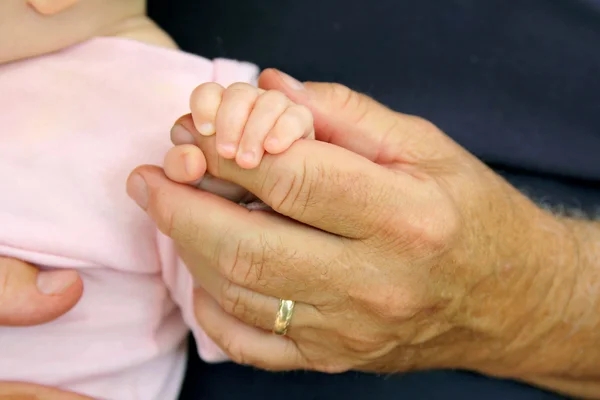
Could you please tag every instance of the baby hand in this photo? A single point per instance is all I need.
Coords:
(249, 121)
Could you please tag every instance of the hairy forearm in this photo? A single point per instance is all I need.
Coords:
(567, 355)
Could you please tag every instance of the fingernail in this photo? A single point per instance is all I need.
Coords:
(206, 129)
(291, 82)
(227, 149)
(180, 135)
(137, 190)
(56, 281)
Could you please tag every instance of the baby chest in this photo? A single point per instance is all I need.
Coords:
(63, 190)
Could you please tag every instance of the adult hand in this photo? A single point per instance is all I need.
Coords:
(401, 249)
(32, 297)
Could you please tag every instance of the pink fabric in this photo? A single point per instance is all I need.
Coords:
(73, 125)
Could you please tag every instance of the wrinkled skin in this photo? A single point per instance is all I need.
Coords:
(402, 250)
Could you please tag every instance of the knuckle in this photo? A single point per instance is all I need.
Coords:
(385, 308)
(197, 99)
(233, 348)
(274, 97)
(432, 143)
(361, 342)
(340, 94)
(230, 299)
(357, 104)
(431, 228)
(345, 97)
(181, 227)
(243, 265)
(423, 125)
(392, 304)
(241, 304)
(300, 113)
(241, 89)
(285, 121)
(288, 190)
(434, 230)
(305, 112)
(288, 123)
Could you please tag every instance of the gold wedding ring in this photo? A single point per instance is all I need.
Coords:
(284, 316)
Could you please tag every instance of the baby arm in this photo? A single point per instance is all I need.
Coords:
(247, 121)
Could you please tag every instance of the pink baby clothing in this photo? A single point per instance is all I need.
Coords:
(73, 125)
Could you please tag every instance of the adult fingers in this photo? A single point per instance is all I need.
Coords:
(245, 344)
(258, 250)
(249, 306)
(360, 124)
(319, 184)
(31, 297)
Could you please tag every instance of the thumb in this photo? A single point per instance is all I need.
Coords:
(358, 123)
(31, 297)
